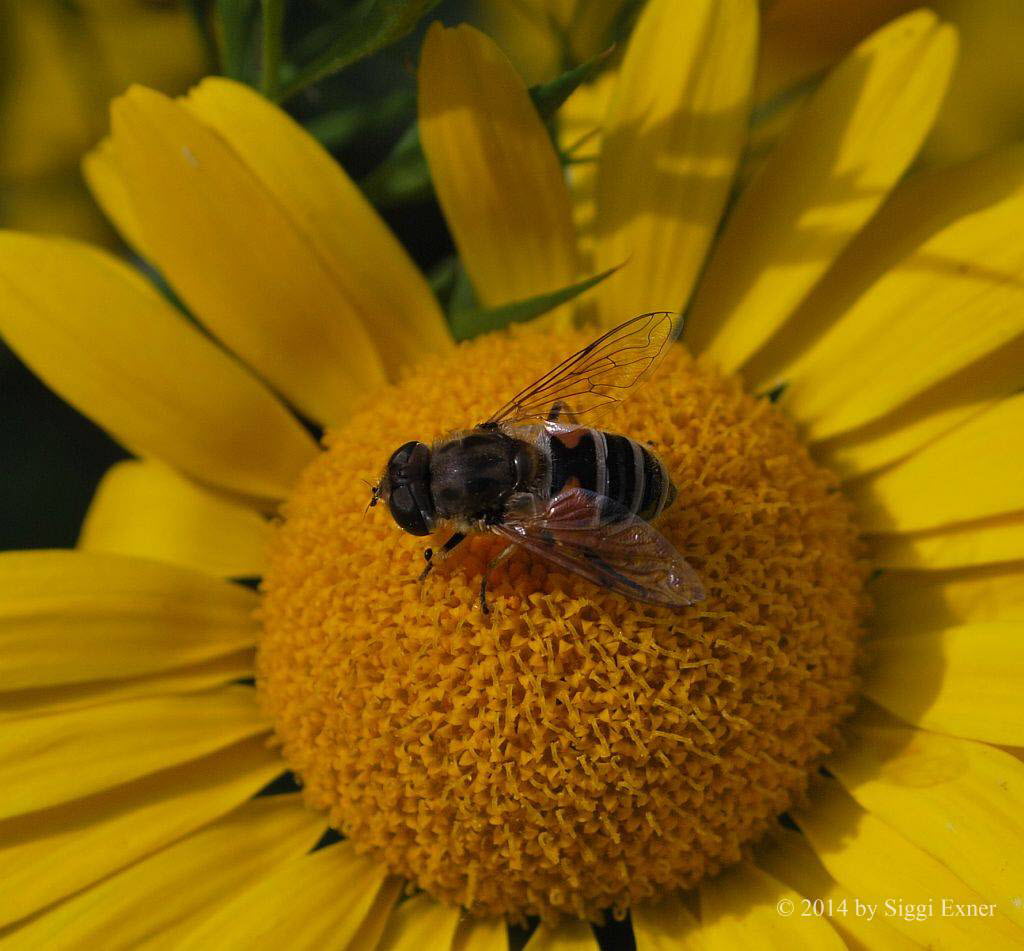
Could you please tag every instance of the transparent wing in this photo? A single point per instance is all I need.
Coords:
(601, 374)
(627, 555)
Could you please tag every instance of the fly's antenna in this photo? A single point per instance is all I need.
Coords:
(374, 495)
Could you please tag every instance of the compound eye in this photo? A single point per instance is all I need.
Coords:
(406, 512)
(407, 461)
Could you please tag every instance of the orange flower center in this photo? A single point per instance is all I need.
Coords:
(575, 751)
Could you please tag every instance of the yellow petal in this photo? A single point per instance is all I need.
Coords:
(421, 922)
(975, 471)
(839, 159)
(238, 261)
(49, 855)
(481, 934)
(321, 900)
(987, 542)
(744, 907)
(105, 178)
(369, 933)
(788, 857)
(50, 119)
(56, 206)
(103, 339)
(148, 510)
(959, 801)
(494, 168)
(163, 46)
(586, 24)
(767, 125)
(874, 862)
(569, 935)
(68, 617)
(889, 440)
(41, 701)
(983, 110)
(51, 759)
(907, 602)
(527, 33)
(959, 297)
(927, 416)
(804, 37)
(962, 680)
(672, 138)
(580, 133)
(382, 289)
(927, 206)
(667, 925)
(154, 901)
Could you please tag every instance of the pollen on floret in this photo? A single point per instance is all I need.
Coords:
(574, 751)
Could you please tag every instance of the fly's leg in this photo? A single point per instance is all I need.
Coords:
(560, 410)
(429, 555)
(491, 565)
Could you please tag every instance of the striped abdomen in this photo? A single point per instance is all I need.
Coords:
(613, 466)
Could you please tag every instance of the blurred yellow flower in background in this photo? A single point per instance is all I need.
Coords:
(882, 312)
(800, 40)
(62, 64)
(983, 108)
(543, 37)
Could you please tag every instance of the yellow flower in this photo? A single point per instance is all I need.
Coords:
(62, 64)
(982, 110)
(885, 314)
(543, 37)
(800, 41)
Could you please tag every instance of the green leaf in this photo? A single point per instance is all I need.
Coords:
(782, 100)
(339, 127)
(200, 10)
(467, 324)
(403, 176)
(442, 276)
(336, 129)
(234, 33)
(273, 24)
(462, 299)
(370, 26)
(548, 97)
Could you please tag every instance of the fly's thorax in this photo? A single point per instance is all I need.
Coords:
(473, 474)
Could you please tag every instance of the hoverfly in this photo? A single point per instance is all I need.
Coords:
(534, 474)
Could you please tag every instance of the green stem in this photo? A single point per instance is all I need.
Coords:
(273, 24)
(202, 16)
